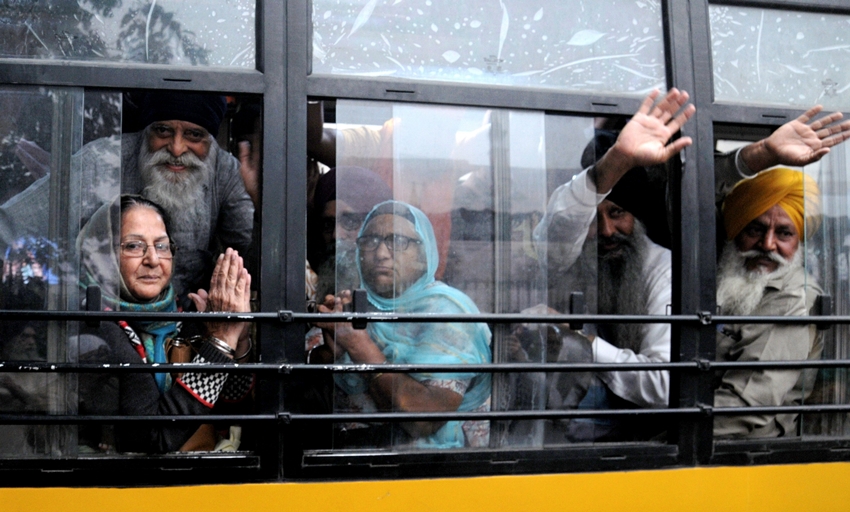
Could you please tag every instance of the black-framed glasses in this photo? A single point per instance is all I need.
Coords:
(137, 249)
(370, 243)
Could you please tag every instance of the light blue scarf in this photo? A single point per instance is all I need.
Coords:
(428, 343)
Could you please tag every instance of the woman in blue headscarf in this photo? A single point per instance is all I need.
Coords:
(397, 259)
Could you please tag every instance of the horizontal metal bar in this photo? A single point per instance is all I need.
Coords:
(287, 369)
(120, 368)
(135, 315)
(778, 409)
(73, 419)
(563, 413)
(286, 417)
(490, 415)
(470, 95)
(120, 75)
(511, 318)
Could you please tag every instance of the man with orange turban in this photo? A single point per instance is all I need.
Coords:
(767, 219)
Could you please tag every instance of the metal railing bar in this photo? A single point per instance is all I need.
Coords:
(702, 318)
(287, 417)
(287, 369)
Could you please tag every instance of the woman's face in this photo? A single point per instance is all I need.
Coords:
(389, 272)
(147, 275)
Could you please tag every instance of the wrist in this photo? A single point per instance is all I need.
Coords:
(610, 168)
(756, 157)
(221, 345)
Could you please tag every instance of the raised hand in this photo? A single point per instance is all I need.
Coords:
(230, 291)
(799, 142)
(645, 139)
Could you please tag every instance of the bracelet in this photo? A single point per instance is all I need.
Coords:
(247, 350)
(221, 346)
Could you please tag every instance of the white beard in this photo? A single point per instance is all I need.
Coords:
(739, 291)
(182, 195)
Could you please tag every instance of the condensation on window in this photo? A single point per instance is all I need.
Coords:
(211, 33)
(579, 45)
(783, 58)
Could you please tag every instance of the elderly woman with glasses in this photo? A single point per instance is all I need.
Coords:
(397, 259)
(126, 251)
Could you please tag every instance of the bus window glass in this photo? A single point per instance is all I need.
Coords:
(479, 181)
(782, 58)
(215, 33)
(780, 256)
(68, 233)
(826, 260)
(41, 219)
(576, 45)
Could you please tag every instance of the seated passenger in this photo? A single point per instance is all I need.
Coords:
(397, 259)
(761, 272)
(126, 249)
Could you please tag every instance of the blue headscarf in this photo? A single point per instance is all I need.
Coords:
(428, 343)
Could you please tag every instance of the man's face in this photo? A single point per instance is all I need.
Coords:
(179, 137)
(613, 228)
(772, 232)
(341, 222)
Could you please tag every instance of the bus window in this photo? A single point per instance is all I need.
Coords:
(177, 33)
(811, 279)
(773, 57)
(579, 46)
(82, 166)
(481, 180)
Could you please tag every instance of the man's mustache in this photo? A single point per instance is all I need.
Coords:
(187, 159)
(771, 255)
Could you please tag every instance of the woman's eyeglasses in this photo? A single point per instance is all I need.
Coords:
(393, 242)
(137, 249)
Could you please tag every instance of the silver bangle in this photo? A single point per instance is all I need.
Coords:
(247, 350)
(221, 346)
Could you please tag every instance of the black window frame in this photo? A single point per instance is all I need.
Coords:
(282, 76)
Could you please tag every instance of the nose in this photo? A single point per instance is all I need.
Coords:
(383, 251)
(768, 241)
(604, 225)
(177, 146)
(151, 257)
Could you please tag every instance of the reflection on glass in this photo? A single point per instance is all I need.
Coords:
(43, 130)
(579, 45)
(826, 260)
(772, 57)
(781, 248)
(212, 33)
(483, 178)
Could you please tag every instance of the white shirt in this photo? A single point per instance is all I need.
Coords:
(574, 204)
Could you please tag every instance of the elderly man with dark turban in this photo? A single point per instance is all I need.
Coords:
(175, 162)
(767, 220)
(593, 229)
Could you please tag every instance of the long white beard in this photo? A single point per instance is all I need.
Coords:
(739, 291)
(182, 195)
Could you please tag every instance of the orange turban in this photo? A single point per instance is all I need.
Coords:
(794, 191)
